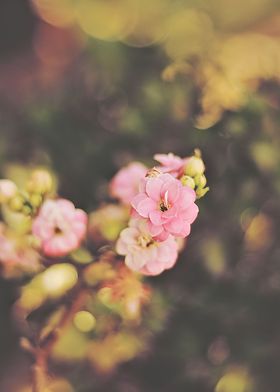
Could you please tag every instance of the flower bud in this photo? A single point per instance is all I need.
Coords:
(200, 180)
(40, 182)
(188, 181)
(35, 200)
(16, 203)
(58, 279)
(8, 189)
(84, 321)
(194, 165)
(200, 192)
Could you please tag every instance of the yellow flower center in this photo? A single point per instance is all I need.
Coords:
(145, 241)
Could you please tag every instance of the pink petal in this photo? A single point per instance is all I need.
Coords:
(156, 217)
(162, 236)
(190, 213)
(154, 268)
(154, 230)
(121, 247)
(57, 246)
(167, 251)
(137, 199)
(142, 185)
(134, 262)
(66, 208)
(81, 216)
(186, 230)
(153, 188)
(187, 197)
(172, 190)
(129, 235)
(170, 213)
(146, 206)
(174, 226)
(42, 229)
(79, 229)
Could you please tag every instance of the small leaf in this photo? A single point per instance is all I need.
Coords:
(82, 256)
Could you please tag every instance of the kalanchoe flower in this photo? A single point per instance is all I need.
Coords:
(171, 164)
(60, 227)
(167, 205)
(125, 183)
(142, 252)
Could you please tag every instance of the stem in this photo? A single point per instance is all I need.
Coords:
(43, 350)
(39, 371)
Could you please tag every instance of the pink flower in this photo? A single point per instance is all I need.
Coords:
(144, 254)
(168, 206)
(125, 183)
(60, 227)
(170, 163)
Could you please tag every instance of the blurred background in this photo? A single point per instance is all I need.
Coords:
(87, 86)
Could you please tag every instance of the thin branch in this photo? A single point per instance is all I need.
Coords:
(44, 349)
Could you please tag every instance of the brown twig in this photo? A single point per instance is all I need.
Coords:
(44, 348)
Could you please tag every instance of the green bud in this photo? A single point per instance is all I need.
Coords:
(201, 192)
(194, 166)
(200, 180)
(188, 181)
(16, 203)
(40, 182)
(203, 181)
(35, 200)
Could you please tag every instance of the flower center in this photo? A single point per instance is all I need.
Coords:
(145, 241)
(163, 207)
(164, 204)
(57, 230)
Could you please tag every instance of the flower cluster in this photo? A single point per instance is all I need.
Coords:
(157, 207)
(163, 209)
(60, 253)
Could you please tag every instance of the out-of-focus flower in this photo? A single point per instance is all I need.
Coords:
(60, 227)
(126, 293)
(168, 206)
(99, 272)
(8, 189)
(58, 279)
(116, 348)
(170, 163)
(125, 184)
(108, 221)
(40, 182)
(236, 379)
(259, 234)
(144, 254)
(16, 256)
(84, 321)
(52, 283)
